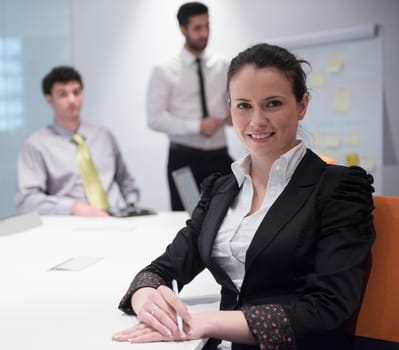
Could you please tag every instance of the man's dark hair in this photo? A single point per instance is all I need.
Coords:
(188, 10)
(60, 74)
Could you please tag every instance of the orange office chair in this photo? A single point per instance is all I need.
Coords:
(327, 159)
(378, 317)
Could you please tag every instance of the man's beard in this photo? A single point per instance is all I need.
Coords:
(196, 46)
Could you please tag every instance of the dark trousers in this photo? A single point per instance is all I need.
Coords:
(202, 164)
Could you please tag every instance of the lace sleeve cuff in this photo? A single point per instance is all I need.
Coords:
(270, 326)
(143, 279)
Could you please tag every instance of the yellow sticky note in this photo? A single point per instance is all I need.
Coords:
(351, 159)
(351, 139)
(367, 163)
(323, 139)
(332, 140)
(342, 99)
(336, 63)
(317, 79)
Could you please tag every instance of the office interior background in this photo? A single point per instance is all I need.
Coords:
(114, 44)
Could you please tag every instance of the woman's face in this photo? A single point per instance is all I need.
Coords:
(264, 110)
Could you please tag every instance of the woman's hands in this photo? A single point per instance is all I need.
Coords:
(156, 311)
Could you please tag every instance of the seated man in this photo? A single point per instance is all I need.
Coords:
(71, 167)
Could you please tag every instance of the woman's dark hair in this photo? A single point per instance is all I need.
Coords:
(60, 74)
(271, 56)
(188, 10)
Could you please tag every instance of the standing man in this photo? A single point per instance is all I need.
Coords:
(187, 100)
(71, 167)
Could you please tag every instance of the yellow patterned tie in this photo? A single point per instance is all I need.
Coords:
(91, 182)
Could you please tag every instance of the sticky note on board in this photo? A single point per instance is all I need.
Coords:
(336, 63)
(331, 140)
(351, 159)
(342, 99)
(367, 163)
(351, 139)
(317, 79)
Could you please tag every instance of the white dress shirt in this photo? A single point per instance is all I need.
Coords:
(48, 174)
(238, 228)
(174, 103)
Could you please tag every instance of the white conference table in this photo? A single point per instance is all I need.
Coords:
(42, 308)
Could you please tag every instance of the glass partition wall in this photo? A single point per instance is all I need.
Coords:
(34, 37)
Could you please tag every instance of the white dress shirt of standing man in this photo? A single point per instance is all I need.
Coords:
(175, 106)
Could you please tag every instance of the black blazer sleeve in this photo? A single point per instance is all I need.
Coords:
(181, 259)
(311, 273)
(344, 235)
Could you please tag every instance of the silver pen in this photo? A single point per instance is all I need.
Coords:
(178, 318)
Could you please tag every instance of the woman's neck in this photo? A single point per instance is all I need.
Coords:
(259, 172)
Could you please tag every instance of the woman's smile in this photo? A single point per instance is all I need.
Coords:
(260, 137)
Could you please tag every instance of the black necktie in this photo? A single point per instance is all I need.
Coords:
(202, 89)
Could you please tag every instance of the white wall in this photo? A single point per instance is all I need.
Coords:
(115, 44)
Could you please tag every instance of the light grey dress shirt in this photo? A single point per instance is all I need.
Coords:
(174, 103)
(48, 174)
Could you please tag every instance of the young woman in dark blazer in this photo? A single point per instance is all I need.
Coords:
(286, 235)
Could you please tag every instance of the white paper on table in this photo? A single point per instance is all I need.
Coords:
(77, 263)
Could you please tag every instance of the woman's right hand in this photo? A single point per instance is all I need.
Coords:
(157, 308)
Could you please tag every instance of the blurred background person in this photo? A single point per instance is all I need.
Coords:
(187, 100)
(71, 167)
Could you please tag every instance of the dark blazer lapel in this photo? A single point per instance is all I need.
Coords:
(287, 204)
(216, 212)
